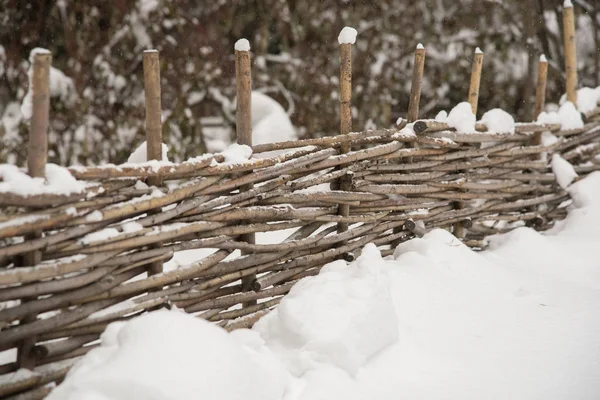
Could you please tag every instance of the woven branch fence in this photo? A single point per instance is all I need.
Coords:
(70, 264)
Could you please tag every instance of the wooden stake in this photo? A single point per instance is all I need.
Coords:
(153, 107)
(243, 125)
(417, 82)
(570, 52)
(345, 120)
(153, 125)
(36, 164)
(475, 79)
(38, 136)
(540, 90)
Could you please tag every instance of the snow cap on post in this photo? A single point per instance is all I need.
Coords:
(347, 35)
(543, 58)
(478, 51)
(567, 4)
(242, 45)
(420, 47)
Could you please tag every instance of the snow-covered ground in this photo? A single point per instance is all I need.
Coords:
(435, 321)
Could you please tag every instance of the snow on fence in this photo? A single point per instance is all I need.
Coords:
(85, 246)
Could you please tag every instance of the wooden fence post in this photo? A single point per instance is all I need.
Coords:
(476, 66)
(346, 39)
(37, 155)
(475, 79)
(243, 128)
(417, 83)
(540, 95)
(570, 51)
(540, 89)
(153, 125)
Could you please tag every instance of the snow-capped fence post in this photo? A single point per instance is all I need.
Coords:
(243, 130)
(38, 135)
(346, 39)
(540, 89)
(417, 83)
(36, 165)
(475, 79)
(540, 96)
(570, 51)
(153, 125)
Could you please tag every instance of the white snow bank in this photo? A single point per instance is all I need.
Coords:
(347, 35)
(498, 121)
(461, 118)
(563, 170)
(172, 355)
(242, 45)
(518, 321)
(342, 317)
(60, 85)
(140, 154)
(567, 116)
(58, 181)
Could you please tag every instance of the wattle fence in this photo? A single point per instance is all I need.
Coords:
(76, 255)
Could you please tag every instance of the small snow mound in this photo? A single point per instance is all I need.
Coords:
(442, 116)
(236, 153)
(587, 99)
(563, 170)
(567, 116)
(58, 181)
(567, 4)
(461, 118)
(570, 118)
(543, 58)
(270, 122)
(172, 355)
(478, 51)
(242, 45)
(358, 322)
(499, 121)
(433, 242)
(420, 47)
(548, 139)
(347, 35)
(140, 154)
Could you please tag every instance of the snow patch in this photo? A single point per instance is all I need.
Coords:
(347, 35)
(242, 45)
(356, 324)
(461, 118)
(563, 170)
(140, 155)
(567, 116)
(173, 355)
(58, 181)
(498, 121)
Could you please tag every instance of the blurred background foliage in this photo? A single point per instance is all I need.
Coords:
(98, 45)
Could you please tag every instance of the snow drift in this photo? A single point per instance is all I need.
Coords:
(434, 321)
